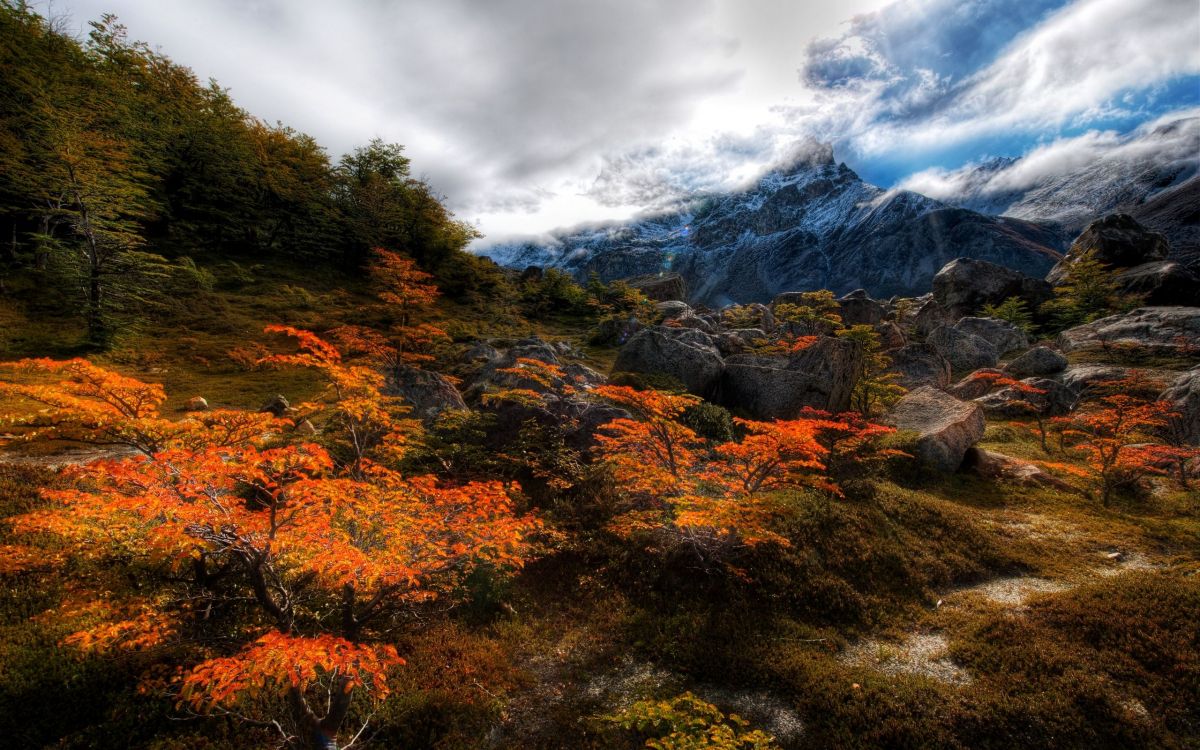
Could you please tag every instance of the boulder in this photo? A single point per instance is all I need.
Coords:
(1117, 241)
(196, 403)
(965, 285)
(692, 320)
(1001, 334)
(1184, 395)
(1081, 378)
(660, 288)
(673, 309)
(653, 351)
(930, 316)
(974, 385)
(891, 336)
(918, 365)
(277, 406)
(992, 465)
(616, 331)
(428, 393)
(964, 351)
(822, 376)
(857, 308)
(480, 353)
(1148, 330)
(1039, 361)
(946, 426)
(1162, 282)
(1009, 403)
(766, 319)
(788, 298)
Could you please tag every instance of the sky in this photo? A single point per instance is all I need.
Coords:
(531, 115)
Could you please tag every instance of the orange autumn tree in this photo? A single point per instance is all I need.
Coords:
(361, 418)
(90, 405)
(720, 499)
(279, 575)
(1117, 433)
(408, 291)
(1027, 398)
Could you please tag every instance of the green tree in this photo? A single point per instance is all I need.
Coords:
(1015, 311)
(1090, 291)
(875, 387)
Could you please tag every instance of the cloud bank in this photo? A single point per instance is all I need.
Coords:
(532, 114)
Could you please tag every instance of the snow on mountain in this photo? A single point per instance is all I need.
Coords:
(811, 224)
(1073, 181)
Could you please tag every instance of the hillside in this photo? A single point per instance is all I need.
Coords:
(283, 466)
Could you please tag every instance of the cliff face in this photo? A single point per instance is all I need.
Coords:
(812, 225)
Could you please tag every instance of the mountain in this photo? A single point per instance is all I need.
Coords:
(1150, 173)
(811, 224)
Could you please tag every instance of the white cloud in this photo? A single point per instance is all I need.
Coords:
(1067, 70)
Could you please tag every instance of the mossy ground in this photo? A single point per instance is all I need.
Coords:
(921, 611)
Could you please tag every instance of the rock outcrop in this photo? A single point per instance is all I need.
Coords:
(1149, 330)
(1117, 241)
(822, 376)
(1001, 334)
(1039, 361)
(660, 288)
(691, 360)
(1184, 395)
(946, 427)
(427, 392)
(964, 351)
(965, 285)
(920, 364)
(1163, 282)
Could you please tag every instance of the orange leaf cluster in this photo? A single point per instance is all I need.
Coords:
(721, 496)
(280, 662)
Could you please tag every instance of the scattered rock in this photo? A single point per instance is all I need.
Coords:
(965, 285)
(653, 351)
(1147, 330)
(1040, 361)
(946, 426)
(196, 403)
(480, 352)
(918, 365)
(616, 331)
(1117, 241)
(964, 351)
(1080, 378)
(1001, 334)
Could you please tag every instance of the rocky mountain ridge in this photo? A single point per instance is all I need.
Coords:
(813, 224)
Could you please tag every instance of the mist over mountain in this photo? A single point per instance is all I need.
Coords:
(1150, 173)
(811, 224)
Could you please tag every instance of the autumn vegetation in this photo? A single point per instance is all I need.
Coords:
(569, 561)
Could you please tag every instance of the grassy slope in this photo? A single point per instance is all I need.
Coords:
(1107, 661)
